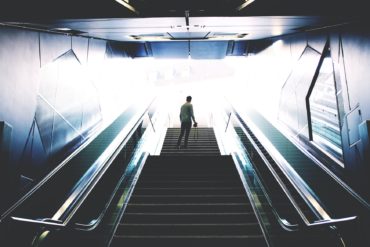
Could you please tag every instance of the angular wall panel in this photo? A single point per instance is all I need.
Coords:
(96, 53)
(52, 46)
(62, 113)
(80, 47)
(19, 79)
(353, 121)
(356, 52)
(317, 41)
(293, 111)
(44, 119)
(297, 45)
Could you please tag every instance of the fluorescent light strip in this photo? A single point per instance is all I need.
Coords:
(247, 2)
(125, 4)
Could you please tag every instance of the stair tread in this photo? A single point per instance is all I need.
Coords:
(187, 197)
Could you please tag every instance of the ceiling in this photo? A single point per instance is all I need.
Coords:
(178, 28)
(87, 9)
(176, 20)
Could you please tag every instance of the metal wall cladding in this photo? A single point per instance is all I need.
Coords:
(65, 91)
(47, 95)
(293, 111)
(350, 51)
(19, 78)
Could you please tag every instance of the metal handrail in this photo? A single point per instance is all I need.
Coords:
(323, 167)
(96, 221)
(296, 181)
(249, 193)
(96, 171)
(66, 212)
(237, 160)
(49, 175)
(45, 221)
(284, 223)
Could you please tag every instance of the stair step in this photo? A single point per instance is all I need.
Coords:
(188, 229)
(189, 207)
(186, 241)
(187, 182)
(201, 142)
(188, 191)
(188, 198)
(192, 198)
(184, 218)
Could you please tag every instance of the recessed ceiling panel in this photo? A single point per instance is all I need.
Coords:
(208, 49)
(174, 49)
(189, 35)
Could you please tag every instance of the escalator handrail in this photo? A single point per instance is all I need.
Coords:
(50, 175)
(284, 223)
(295, 180)
(94, 223)
(281, 220)
(330, 173)
(238, 165)
(46, 222)
(67, 211)
(277, 178)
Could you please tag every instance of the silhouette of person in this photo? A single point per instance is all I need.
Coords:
(186, 115)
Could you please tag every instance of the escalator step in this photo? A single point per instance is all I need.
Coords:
(180, 241)
(238, 198)
(189, 207)
(188, 229)
(189, 218)
(188, 191)
(190, 197)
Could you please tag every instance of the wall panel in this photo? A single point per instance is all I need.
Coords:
(53, 46)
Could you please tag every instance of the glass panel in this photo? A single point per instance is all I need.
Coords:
(324, 111)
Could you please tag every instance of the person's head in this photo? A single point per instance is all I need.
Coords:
(188, 99)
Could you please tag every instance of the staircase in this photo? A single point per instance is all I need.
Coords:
(191, 197)
(202, 142)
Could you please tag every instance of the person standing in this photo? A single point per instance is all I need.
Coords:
(186, 115)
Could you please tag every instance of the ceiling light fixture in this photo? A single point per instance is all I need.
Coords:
(227, 36)
(127, 5)
(149, 37)
(247, 2)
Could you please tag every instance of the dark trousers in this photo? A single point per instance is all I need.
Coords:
(185, 129)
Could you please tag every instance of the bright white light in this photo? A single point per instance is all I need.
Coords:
(62, 29)
(253, 81)
(120, 82)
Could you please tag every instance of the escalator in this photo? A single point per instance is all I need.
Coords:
(74, 196)
(283, 224)
(189, 199)
(186, 197)
(330, 196)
